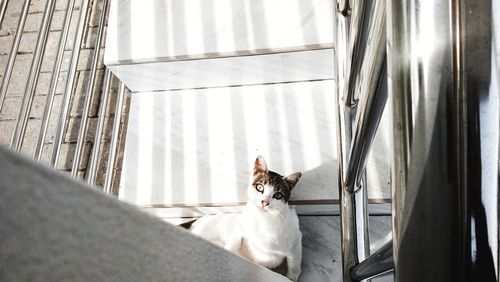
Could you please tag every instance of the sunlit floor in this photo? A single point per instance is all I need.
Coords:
(321, 259)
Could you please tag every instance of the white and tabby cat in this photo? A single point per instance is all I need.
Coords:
(267, 231)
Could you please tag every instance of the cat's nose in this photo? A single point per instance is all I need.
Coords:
(265, 203)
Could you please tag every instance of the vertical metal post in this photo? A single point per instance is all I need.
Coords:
(114, 139)
(353, 208)
(90, 90)
(96, 148)
(13, 53)
(439, 66)
(69, 83)
(29, 92)
(348, 229)
(53, 82)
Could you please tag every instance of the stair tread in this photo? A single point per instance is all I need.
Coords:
(197, 147)
(166, 30)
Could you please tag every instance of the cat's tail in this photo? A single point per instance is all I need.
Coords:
(188, 224)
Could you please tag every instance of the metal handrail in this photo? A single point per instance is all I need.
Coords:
(114, 138)
(96, 148)
(371, 88)
(32, 81)
(361, 73)
(61, 127)
(442, 80)
(358, 34)
(49, 102)
(29, 92)
(13, 53)
(90, 89)
(3, 8)
(376, 264)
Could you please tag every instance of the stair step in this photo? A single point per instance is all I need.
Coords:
(197, 147)
(165, 44)
(227, 71)
(169, 30)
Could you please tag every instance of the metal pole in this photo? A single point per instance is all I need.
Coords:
(439, 66)
(347, 217)
(3, 8)
(53, 82)
(69, 83)
(358, 36)
(13, 53)
(378, 263)
(114, 140)
(29, 92)
(100, 128)
(353, 208)
(90, 91)
(370, 87)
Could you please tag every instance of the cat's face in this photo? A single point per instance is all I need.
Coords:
(268, 190)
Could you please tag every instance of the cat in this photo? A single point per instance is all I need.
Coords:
(267, 231)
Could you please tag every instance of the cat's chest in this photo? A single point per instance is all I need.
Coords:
(273, 234)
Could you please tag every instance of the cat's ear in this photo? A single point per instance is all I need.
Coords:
(292, 179)
(260, 166)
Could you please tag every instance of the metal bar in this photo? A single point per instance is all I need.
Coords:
(29, 92)
(358, 36)
(56, 150)
(13, 53)
(114, 139)
(353, 213)
(90, 91)
(371, 88)
(96, 148)
(378, 263)
(53, 82)
(347, 227)
(362, 219)
(366, 128)
(439, 65)
(3, 8)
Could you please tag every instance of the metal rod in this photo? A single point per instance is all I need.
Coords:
(56, 150)
(96, 148)
(114, 140)
(29, 92)
(362, 218)
(13, 53)
(3, 8)
(358, 36)
(90, 91)
(371, 88)
(353, 210)
(367, 122)
(53, 82)
(347, 226)
(376, 264)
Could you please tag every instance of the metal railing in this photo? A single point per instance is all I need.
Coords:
(361, 97)
(82, 29)
(440, 69)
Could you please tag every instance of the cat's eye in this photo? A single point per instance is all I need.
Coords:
(278, 195)
(260, 188)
